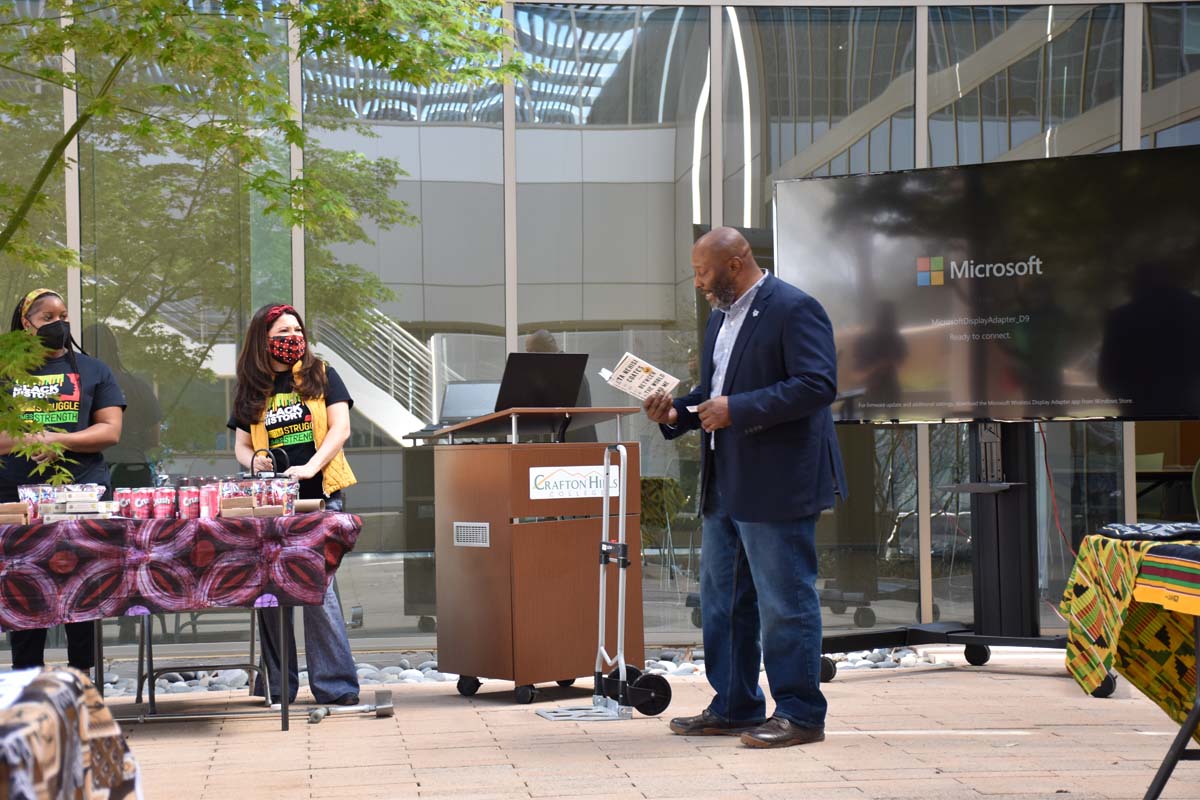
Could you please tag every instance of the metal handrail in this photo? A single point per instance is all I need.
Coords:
(392, 365)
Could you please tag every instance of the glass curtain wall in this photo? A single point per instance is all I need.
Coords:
(1170, 118)
(36, 131)
(1013, 82)
(612, 189)
(813, 91)
(613, 176)
(176, 253)
(402, 301)
(1006, 83)
(1171, 75)
(818, 92)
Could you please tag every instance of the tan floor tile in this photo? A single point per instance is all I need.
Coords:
(398, 792)
(580, 787)
(791, 791)
(433, 741)
(657, 765)
(457, 756)
(925, 788)
(460, 794)
(897, 736)
(500, 777)
(686, 785)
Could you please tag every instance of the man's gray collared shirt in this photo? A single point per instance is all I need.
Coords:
(726, 337)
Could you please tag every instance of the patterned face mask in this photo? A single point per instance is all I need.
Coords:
(287, 349)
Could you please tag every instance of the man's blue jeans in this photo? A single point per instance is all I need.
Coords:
(760, 578)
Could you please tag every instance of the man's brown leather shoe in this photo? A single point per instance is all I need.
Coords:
(780, 732)
(708, 724)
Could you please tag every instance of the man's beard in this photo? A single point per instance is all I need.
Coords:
(722, 295)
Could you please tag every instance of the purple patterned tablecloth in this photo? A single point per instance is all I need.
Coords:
(92, 569)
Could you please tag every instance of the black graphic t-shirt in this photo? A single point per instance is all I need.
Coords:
(72, 400)
(289, 424)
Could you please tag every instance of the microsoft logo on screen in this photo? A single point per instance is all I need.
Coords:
(931, 270)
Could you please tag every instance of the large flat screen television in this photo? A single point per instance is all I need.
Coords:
(1057, 288)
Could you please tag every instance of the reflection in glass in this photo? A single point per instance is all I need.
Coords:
(1079, 489)
(612, 182)
(29, 137)
(1058, 93)
(36, 130)
(1170, 83)
(821, 91)
(1009, 82)
(867, 547)
(177, 249)
(402, 300)
(813, 91)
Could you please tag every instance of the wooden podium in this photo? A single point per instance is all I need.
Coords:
(518, 550)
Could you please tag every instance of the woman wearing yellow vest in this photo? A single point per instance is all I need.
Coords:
(292, 404)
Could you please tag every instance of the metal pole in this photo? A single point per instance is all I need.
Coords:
(622, 568)
(513, 438)
(284, 665)
(150, 662)
(98, 667)
(603, 539)
(141, 675)
(253, 660)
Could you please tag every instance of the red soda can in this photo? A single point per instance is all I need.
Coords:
(189, 502)
(210, 500)
(124, 500)
(164, 502)
(143, 503)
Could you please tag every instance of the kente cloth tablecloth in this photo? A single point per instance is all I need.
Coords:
(1129, 607)
(58, 740)
(91, 569)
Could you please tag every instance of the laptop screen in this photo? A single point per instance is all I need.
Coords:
(541, 380)
(463, 400)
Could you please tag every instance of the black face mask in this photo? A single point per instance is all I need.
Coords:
(55, 335)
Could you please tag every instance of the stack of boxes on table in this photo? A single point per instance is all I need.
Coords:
(258, 497)
(47, 503)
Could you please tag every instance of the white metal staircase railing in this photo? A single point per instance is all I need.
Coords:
(392, 359)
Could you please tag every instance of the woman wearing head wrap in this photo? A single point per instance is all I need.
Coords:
(82, 412)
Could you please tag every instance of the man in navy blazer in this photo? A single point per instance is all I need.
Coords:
(770, 465)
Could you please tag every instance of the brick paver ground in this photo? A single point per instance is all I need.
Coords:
(1016, 728)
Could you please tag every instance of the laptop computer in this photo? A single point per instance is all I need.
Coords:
(541, 380)
(461, 401)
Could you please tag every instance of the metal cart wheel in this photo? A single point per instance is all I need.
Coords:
(977, 654)
(697, 618)
(828, 669)
(468, 685)
(632, 674)
(864, 617)
(566, 683)
(838, 608)
(660, 695)
(427, 625)
(524, 694)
